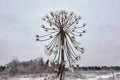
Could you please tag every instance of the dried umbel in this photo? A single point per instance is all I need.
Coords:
(63, 24)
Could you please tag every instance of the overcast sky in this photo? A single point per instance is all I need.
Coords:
(20, 21)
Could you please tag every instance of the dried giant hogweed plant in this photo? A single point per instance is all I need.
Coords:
(62, 31)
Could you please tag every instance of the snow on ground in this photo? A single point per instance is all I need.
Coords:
(87, 76)
(37, 78)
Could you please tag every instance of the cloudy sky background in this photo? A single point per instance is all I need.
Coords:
(20, 21)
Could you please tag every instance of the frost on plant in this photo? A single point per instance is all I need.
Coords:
(62, 31)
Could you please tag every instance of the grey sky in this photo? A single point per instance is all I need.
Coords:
(20, 21)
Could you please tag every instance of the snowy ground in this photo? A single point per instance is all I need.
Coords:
(70, 76)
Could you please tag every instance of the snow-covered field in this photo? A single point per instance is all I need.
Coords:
(69, 76)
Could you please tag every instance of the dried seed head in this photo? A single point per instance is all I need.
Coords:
(43, 26)
(84, 25)
(80, 35)
(83, 31)
(37, 39)
(37, 36)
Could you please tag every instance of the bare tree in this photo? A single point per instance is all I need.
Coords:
(13, 67)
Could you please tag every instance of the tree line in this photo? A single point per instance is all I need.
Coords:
(38, 66)
(86, 68)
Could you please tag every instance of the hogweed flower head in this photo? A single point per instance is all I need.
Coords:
(63, 23)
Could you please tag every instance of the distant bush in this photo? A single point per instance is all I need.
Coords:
(36, 66)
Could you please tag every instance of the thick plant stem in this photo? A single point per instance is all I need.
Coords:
(62, 71)
(62, 65)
